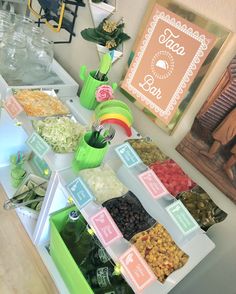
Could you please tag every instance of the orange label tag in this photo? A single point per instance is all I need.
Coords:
(137, 269)
(168, 58)
(12, 106)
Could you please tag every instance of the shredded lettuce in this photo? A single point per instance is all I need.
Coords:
(61, 133)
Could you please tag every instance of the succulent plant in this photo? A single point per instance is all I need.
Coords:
(108, 33)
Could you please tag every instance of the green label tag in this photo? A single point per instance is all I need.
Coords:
(42, 167)
(127, 154)
(38, 145)
(182, 217)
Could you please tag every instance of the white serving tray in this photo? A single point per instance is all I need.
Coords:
(59, 80)
(56, 161)
(197, 245)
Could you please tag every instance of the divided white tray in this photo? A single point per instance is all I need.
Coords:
(197, 245)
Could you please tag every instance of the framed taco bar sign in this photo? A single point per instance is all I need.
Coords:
(169, 60)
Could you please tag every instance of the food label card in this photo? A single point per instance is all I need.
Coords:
(42, 166)
(12, 106)
(38, 145)
(81, 194)
(153, 184)
(127, 154)
(105, 227)
(137, 269)
(182, 217)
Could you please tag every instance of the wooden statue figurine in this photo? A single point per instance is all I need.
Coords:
(211, 143)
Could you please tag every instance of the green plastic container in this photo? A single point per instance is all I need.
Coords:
(88, 93)
(87, 156)
(69, 270)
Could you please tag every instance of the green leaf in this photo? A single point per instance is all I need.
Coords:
(124, 37)
(90, 35)
(121, 26)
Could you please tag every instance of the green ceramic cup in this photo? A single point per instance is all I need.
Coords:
(87, 156)
(88, 93)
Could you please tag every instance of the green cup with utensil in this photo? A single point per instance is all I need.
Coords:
(93, 80)
(90, 152)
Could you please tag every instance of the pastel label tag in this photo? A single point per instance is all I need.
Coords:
(105, 227)
(153, 184)
(42, 166)
(81, 194)
(127, 154)
(182, 217)
(38, 145)
(12, 106)
(137, 269)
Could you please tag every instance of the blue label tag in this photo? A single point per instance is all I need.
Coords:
(80, 193)
(128, 155)
(182, 217)
(38, 145)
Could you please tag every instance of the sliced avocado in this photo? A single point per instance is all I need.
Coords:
(33, 205)
(29, 196)
(31, 184)
(39, 205)
(21, 196)
(40, 191)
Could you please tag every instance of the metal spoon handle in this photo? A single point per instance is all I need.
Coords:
(11, 205)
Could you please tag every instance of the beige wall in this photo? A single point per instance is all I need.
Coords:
(214, 273)
(80, 52)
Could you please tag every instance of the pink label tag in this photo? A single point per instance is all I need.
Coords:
(153, 184)
(105, 227)
(12, 106)
(137, 269)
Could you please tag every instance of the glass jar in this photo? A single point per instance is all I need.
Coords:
(5, 27)
(5, 15)
(13, 56)
(31, 33)
(22, 22)
(40, 57)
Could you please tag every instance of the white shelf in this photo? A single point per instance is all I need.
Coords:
(38, 230)
(52, 269)
(28, 220)
(58, 79)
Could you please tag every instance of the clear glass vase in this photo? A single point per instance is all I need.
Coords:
(5, 27)
(40, 57)
(21, 23)
(32, 32)
(5, 15)
(13, 56)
